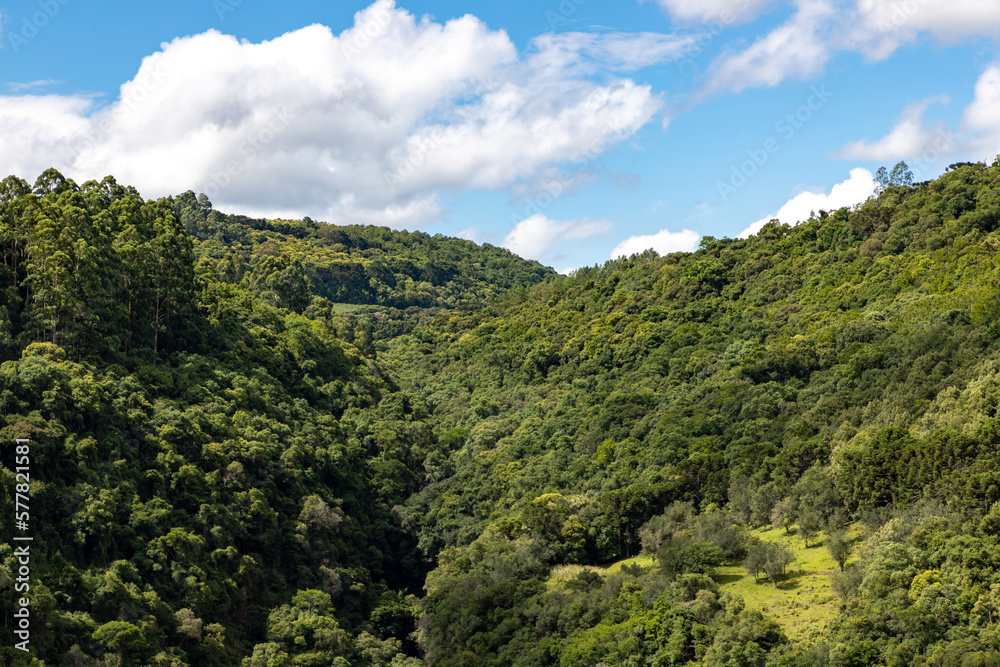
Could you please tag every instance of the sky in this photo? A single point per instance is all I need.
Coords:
(569, 131)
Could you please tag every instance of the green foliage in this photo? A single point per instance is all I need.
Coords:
(838, 543)
(768, 558)
(286, 262)
(198, 454)
(255, 441)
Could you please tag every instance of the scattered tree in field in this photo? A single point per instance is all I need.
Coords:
(810, 524)
(769, 559)
(682, 555)
(838, 543)
(782, 515)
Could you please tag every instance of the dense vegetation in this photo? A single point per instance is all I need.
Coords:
(288, 262)
(287, 443)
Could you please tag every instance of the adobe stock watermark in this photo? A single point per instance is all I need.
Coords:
(374, 26)
(223, 7)
(553, 188)
(22, 527)
(566, 9)
(707, 34)
(923, 167)
(138, 91)
(417, 153)
(32, 25)
(900, 15)
(249, 149)
(421, 149)
(786, 127)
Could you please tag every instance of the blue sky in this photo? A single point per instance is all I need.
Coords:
(567, 131)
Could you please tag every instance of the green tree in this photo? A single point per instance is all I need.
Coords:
(125, 639)
(838, 543)
(810, 524)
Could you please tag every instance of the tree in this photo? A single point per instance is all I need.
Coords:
(125, 639)
(881, 180)
(839, 545)
(768, 558)
(777, 560)
(817, 491)
(682, 555)
(782, 515)
(810, 523)
(754, 561)
(171, 264)
(901, 175)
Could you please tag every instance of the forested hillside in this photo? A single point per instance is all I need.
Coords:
(206, 485)
(276, 443)
(290, 261)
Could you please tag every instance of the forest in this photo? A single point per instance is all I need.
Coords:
(277, 443)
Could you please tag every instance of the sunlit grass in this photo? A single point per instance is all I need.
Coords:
(563, 573)
(804, 602)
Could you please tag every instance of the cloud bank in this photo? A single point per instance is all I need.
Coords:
(816, 30)
(854, 190)
(368, 126)
(543, 239)
(663, 242)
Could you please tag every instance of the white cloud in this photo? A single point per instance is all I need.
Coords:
(853, 191)
(802, 45)
(542, 239)
(981, 120)
(908, 138)
(16, 87)
(37, 128)
(928, 149)
(663, 242)
(367, 126)
(708, 10)
(797, 48)
(469, 234)
(879, 27)
(587, 52)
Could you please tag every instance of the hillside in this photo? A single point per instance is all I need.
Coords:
(278, 442)
(292, 260)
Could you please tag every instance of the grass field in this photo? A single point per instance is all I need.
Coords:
(342, 308)
(802, 603)
(562, 573)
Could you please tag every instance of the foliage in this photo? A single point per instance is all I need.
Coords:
(259, 441)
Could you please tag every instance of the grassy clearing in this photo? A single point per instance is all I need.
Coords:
(563, 573)
(342, 308)
(803, 602)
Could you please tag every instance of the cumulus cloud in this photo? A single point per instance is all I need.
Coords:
(879, 27)
(541, 238)
(817, 29)
(367, 126)
(927, 149)
(981, 120)
(797, 48)
(663, 242)
(707, 10)
(853, 191)
(907, 139)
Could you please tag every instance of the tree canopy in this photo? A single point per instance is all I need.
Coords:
(269, 442)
